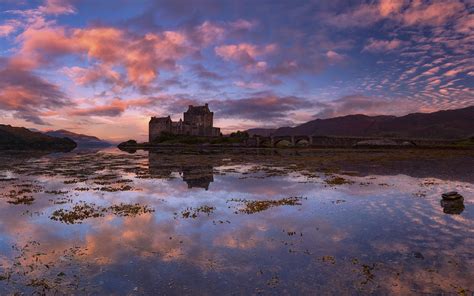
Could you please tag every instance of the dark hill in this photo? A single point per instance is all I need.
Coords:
(20, 138)
(83, 141)
(446, 124)
(265, 132)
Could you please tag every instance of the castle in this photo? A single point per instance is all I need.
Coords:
(198, 121)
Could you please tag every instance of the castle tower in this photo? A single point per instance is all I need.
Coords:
(199, 116)
(157, 125)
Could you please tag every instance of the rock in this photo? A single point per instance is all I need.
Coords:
(418, 255)
(129, 143)
(129, 146)
(452, 195)
(453, 207)
(452, 203)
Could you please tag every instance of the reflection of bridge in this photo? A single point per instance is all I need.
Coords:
(196, 176)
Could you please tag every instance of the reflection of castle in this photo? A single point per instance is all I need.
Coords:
(196, 176)
(198, 121)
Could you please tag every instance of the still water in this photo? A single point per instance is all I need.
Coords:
(147, 223)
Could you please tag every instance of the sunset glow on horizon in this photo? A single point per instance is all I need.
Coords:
(103, 68)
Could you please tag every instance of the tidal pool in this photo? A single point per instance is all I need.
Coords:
(150, 223)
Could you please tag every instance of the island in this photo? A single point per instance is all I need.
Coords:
(441, 129)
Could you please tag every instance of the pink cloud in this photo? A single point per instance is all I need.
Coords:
(408, 13)
(460, 69)
(6, 30)
(242, 24)
(432, 71)
(334, 57)
(246, 54)
(435, 81)
(40, 46)
(375, 45)
(140, 56)
(286, 67)
(27, 95)
(94, 74)
(209, 32)
(57, 7)
(243, 51)
(115, 108)
(431, 13)
(249, 85)
(9, 27)
(362, 16)
(388, 7)
(466, 24)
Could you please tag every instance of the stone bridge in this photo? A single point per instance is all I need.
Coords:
(274, 140)
(334, 141)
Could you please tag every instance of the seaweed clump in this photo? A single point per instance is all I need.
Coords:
(194, 212)
(255, 206)
(84, 211)
(78, 213)
(125, 210)
(333, 181)
(21, 197)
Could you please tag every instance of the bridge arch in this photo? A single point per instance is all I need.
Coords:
(273, 141)
(279, 139)
(302, 139)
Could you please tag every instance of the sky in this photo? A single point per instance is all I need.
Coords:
(103, 68)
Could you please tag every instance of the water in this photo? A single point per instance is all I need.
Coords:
(109, 222)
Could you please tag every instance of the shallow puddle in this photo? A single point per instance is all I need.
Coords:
(152, 223)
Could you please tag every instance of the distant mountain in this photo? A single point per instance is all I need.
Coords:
(265, 132)
(20, 138)
(446, 124)
(83, 141)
